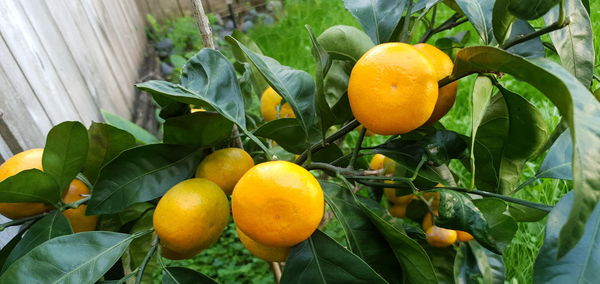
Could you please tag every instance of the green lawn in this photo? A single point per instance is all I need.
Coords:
(288, 42)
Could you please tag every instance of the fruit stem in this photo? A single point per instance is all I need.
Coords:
(140, 273)
(561, 23)
(332, 138)
(343, 171)
(276, 269)
(22, 220)
(357, 147)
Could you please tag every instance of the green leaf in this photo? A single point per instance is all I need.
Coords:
(458, 212)
(445, 145)
(582, 263)
(511, 132)
(415, 262)
(295, 86)
(65, 152)
(328, 154)
(323, 63)
(526, 214)
(502, 226)
(77, 258)
(320, 259)
(502, 20)
(345, 42)
(258, 82)
(362, 236)
(106, 142)
(199, 129)
(115, 222)
(182, 275)
(557, 163)
(479, 13)
(574, 43)
(574, 102)
(482, 93)
(141, 174)
(378, 18)
(453, 43)
(475, 264)
(443, 262)
(336, 90)
(530, 9)
(142, 136)
(287, 132)
(531, 48)
(30, 186)
(139, 247)
(53, 225)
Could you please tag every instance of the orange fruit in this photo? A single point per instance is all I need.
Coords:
(380, 161)
(190, 217)
(270, 101)
(463, 236)
(440, 237)
(398, 210)
(443, 66)
(225, 167)
(428, 221)
(77, 218)
(193, 110)
(278, 203)
(390, 193)
(30, 159)
(392, 89)
(268, 253)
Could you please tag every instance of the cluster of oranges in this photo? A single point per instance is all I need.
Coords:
(435, 236)
(275, 205)
(32, 159)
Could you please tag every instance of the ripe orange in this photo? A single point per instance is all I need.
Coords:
(30, 159)
(463, 236)
(398, 210)
(440, 237)
(225, 167)
(443, 65)
(190, 217)
(79, 221)
(390, 193)
(392, 89)
(268, 253)
(270, 101)
(380, 161)
(428, 220)
(278, 203)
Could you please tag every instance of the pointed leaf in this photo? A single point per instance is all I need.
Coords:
(345, 42)
(482, 93)
(531, 48)
(65, 152)
(531, 9)
(502, 226)
(182, 275)
(378, 18)
(142, 136)
(141, 174)
(502, 20)
(323, 63)
(199, 129)
(138, 249)
(30, 186)
(106, 142)
(574, 43)
(557, 163)
(77, 258)
(320, 259)
(287, 132)
(479, 13)
(526, 214)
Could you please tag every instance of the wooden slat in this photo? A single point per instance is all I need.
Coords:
(156, 9)
(132, 32)
(61, 58)
(94, 66)
(34, 62)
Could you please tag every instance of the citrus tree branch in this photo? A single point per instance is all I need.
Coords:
(357, 147)
(451, 22)
(554, 26)
(342, 171)
(17, 222)
(140, 273)
(332, 138)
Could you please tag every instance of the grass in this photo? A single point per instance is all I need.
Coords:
(288, 42)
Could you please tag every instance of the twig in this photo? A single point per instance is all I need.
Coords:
(332, 138)
(276, 269)
(343, 171)
(22, 220)
(451, 22)
(361, 137)
(75, 204)
(554, 26)
(140, 274)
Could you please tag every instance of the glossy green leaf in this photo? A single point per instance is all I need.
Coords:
(526, 214)
(511, 132)
(502, 226)
(586, 4)
(320, 259)
(258, 82)
(475, 264)
(378, 18)
(443, 262)
(482, 93)
(362, 236)
(51, 226)
(445, 145)
(115, 222)
(557, 163)
(479, 13)
(142, 136)
(287, 132)
(139, 247)
(77, 258)
(574, 43)
(458, 212)
(579, 265)
(452, 44)
(296, 87)
(106, 142)
(323, 63)
(182, 275)
(336, 90)
(575, 103)
(199, 129)
(328, 154)
(530, 9)
(466, 270)
(141, 174)
(65, 152)
(30, 186)
(531, 48)
(415, 262)
(502, 20)
(345, 42)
